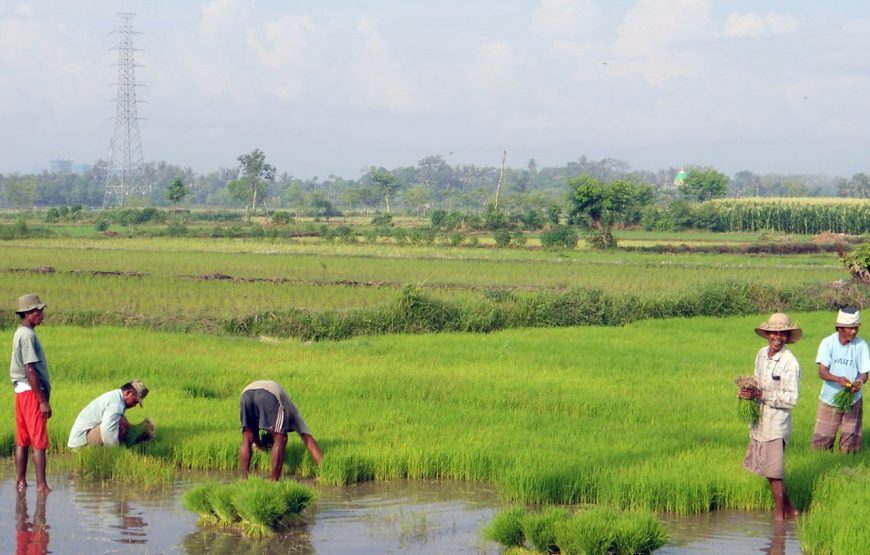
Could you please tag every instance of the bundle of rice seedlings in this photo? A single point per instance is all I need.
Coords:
(297, 496)
(747, 409)
(197, 499)
(589, 532)
(843, 399)
(540, 528)
(141, 432)
(639, 533)
(260, 507)
(507, 528)
(221, 500)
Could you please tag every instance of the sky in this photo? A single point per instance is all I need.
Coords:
(328, 88)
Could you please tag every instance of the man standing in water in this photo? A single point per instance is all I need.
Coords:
(266, 406)
(29, 373)
(844, 362)
(779, 376)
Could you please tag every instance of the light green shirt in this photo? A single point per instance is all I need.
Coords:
(26, 349)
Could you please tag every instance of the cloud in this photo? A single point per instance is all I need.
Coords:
(491, 71)
(377, 74)
(216, 14)
(647, 40)
(562, 19)
(282, 44)
(756, 25)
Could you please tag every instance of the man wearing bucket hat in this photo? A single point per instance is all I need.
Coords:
(102, 422)
(266, 406)
(778, 375)
(29, 373)
(844, 361)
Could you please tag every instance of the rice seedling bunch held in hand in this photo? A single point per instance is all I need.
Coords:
(778, 375)
(844, 363)
(748, 409)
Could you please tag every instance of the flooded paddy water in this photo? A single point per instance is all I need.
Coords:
(81, 516)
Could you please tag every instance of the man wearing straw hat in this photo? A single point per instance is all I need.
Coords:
(29, 373)
(102, 422)
(778, 375)
(266, 406)
(844, 361)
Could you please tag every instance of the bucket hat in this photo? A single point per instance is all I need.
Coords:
(780, 322)
(29, 302)
(848, 318)
(141, 390)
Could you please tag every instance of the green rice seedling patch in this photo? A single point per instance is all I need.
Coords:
(633, 417)
(256, 508)
(832, 526)
(598, 531)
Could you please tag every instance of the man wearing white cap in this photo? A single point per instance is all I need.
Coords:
(29, 373)
(844, 361)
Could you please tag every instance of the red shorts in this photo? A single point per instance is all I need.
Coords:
(31, 428)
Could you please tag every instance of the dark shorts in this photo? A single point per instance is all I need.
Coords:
(260, 410)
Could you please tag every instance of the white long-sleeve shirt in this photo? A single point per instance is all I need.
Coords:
(105, 411)
(779, 378)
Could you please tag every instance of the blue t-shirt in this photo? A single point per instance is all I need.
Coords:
(846, 361)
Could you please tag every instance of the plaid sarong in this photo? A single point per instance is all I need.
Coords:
(829, 420)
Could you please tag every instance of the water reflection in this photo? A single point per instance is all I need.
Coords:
(779, 535)
(31, 536)
(112, 513)
(373, 517)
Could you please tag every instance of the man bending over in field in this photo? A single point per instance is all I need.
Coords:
(102, 422)
(266, 406)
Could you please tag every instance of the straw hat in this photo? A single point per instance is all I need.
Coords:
(780, 322)
(848, 318)
(29, 302)
(141, 390)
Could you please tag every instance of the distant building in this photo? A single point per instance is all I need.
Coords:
(82, 169)
(680, 178)
(61, 166)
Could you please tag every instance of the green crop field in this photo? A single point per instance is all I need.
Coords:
(150, 276)
(642, 416)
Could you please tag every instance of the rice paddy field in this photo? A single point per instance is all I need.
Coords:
(636, 417)
(224, 278)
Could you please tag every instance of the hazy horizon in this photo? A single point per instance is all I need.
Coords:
(769, 87)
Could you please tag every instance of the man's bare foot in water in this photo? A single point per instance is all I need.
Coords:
(22, 485)
(43, 488)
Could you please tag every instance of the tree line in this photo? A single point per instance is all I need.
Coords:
(432, 184)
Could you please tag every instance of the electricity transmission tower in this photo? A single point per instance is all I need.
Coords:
(125, 148)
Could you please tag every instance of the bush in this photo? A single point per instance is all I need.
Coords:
(502, 238)
(601, 240)
(281, 218)
(559, 236)
(102, 225)
(438, 218)
(382, 220)
(52, 216)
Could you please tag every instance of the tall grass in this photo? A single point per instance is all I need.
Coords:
(834, 525)
(798, 215)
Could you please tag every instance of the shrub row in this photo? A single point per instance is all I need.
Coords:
(415, 312)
